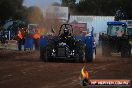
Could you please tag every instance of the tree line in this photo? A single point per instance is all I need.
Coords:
(14, 9)
(100, 7)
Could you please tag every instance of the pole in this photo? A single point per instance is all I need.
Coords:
(9, 35)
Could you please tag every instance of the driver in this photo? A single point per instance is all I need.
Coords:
(118, 32)
(67, 37)
(66, 33)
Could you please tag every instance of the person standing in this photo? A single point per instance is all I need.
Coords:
(100, 39)
(36, 38)
(20, 40)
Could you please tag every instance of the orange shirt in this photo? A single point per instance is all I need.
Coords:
(36, 36)
(20, 35)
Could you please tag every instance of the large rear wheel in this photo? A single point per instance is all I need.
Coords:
(89, 56)
(125, 50)
(43, 54)
(106, 50)
(81, 56)
(80, 51)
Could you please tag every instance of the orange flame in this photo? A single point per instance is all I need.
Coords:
(85, 73)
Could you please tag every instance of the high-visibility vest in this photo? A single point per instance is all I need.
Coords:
(20, 35)
(36, 36)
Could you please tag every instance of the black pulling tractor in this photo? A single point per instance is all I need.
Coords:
(65, 46)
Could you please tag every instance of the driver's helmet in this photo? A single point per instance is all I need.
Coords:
(66, 31)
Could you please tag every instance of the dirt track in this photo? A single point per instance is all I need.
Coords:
(25, 70)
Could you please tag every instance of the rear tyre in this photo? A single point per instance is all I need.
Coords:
(125, 50)
(106, 49)
(89, 55)
(43, 54)
(81, 56)
(79, 47)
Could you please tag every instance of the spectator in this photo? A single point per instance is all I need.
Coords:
(100, 39)
(36, 38)
(20, 40)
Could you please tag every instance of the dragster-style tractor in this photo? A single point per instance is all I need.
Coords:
(67, 46)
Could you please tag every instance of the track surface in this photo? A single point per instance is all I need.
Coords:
(25, 70)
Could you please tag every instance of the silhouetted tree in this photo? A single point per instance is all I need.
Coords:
(101, 7)
(11, 9)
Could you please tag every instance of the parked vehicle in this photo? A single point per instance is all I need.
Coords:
(118, 39)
